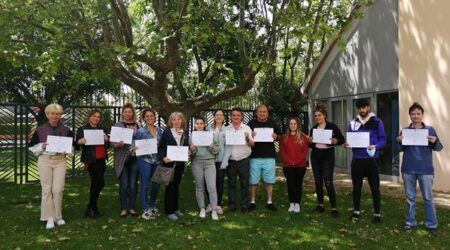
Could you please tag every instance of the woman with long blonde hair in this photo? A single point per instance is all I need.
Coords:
(293, 152)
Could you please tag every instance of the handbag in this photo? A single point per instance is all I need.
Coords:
(163, 175)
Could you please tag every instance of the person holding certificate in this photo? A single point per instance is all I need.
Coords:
(125, 163)
(322, 157)
(262, 159)
(417, 166)
(174, 135)
(294, 152)
(364, 162)
(236, 159)
(51, 166)
(204, 170)
(147, 163)
(93, 156)
(218, 128)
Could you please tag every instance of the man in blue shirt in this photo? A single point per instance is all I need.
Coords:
(364, 162)
(417, 166)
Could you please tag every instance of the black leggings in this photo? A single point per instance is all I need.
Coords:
(171, 194)
(366, 168)
(97, 172)
(294, 180)
(322, 161)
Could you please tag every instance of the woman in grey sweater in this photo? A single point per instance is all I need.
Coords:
(204, 170)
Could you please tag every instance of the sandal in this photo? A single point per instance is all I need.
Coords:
(123, 213)
(132, 212)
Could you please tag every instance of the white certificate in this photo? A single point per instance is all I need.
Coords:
(358, 139)
(202, 138)
(322, 136)
(121, 134)
(94, 136)
(263, 135)
(415, 137)
(146, 146)
(178, 153)
(59, 144)
(233, 137)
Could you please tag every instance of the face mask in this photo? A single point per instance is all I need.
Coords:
(371, 152)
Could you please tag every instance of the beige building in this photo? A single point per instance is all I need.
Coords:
(398, 53)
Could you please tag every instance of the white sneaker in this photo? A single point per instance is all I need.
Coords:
(146, 215)
(178, 213)
(214, 215)
(202, 213)
(219, 210)
(297, 208)
(50, 224)
(60, 222)
(291, 207)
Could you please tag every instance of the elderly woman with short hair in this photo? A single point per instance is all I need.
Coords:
(51, 166)
(174, 135)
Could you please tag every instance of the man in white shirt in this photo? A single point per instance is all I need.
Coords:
(236, 160)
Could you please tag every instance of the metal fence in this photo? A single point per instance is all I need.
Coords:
(17, 125)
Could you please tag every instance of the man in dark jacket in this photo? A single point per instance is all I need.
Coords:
(364, 162)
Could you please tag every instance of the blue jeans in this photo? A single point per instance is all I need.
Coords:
(127, 185)
(426, 185)
(146, 171)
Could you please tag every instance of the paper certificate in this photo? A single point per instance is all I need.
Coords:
(263, 135)
(94, 136)
(178, 153)
(146, 146)
(121, 134)
(415, 137)
(358, 139)
(59, 144)
(202, 138)
(322, 136)
(233, 137)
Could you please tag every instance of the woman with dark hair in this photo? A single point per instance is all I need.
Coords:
(322, 160)
(147, 164)
(293, 152)
(94, 159)
(174, 135)
(218, 128)
(125, 164)
(204, 171)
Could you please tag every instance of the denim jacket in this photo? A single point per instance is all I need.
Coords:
(143, 133)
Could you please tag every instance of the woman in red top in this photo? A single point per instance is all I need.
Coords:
(293, 151)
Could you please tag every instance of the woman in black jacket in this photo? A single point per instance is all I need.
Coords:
(94, 159)
(174, 135)
(322, 160)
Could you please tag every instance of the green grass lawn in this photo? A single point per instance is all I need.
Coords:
(21, 229)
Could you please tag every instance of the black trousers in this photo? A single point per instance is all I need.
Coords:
(97, 172)
(366, 168)
(172, 194)
(294, 179)
(322, 161)
(242, 169)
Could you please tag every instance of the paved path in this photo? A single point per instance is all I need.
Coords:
(343, 181)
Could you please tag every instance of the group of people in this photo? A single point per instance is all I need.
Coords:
(247, 161)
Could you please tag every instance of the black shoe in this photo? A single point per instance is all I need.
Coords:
(334, 213)
(376, 219)
(433, 231)
(407, 228)
(319, 209)
(96, 212)
(355, 216)
(90, 213)
(251, 207)
(271, 207)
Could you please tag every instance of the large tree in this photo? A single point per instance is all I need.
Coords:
(179, 55)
